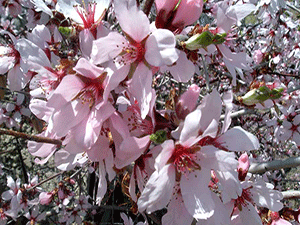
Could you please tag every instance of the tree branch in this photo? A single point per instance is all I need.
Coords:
(31, 137)
(240, 113)
(46, 180)
(259, 168)
(291, 194)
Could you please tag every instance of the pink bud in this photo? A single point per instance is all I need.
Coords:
(188, 12)
(45, 198)
(187, 101)
(243, 166)
(175, 15)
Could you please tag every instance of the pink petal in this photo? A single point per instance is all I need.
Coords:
(237, 139)
(141, 88)
(69, 116)
(130, 150)
(177, 213)
(130, 18)
(160, 48)
(158, 190)
(16, 79)
(166, 149)
(183, 69)
(196, 194)
(69, 87)
(86, 39)
(102, 185)
(107, 48)
(87, 69)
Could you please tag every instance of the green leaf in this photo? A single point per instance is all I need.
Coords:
(159, 136)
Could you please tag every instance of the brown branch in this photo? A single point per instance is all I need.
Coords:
(31, 137)
(147, 6)
(284, 74)
(46, 180)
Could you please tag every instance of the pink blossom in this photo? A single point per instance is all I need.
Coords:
(89, 89)
(193, 156)
(35, 215)
(135, 55)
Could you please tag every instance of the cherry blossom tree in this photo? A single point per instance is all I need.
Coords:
(150, 112)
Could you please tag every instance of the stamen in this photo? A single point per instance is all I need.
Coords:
(184, 159)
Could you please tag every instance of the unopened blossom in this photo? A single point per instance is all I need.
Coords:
(45, 198)
(187, 101)
(243, 166)
(175, 15)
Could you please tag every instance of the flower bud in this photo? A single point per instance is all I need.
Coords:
(243, 166)
(261, 94)
(175, 15)
(201, 40)
(45, 198)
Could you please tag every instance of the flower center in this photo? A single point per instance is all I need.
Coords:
(93, 91)
(131, 53)
(137, 126)
(244, 199)
(184, 159)
(87, 14)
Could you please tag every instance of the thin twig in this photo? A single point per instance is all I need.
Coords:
(206, 73)
(240, 113)
(259, 168)
(22, 163)
(154, 219)
(293, 7)
(284, 74)
(46, 180)
(31, 137)
(6, 151)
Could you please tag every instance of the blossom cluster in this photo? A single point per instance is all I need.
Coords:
(95, 73)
